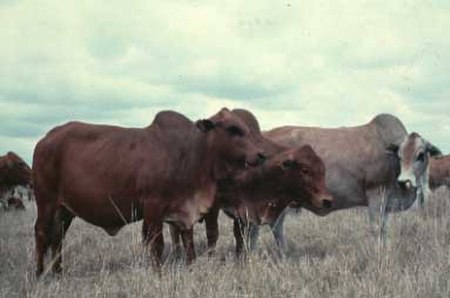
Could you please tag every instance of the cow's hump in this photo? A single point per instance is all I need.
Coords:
(390, 128)
(171, 119)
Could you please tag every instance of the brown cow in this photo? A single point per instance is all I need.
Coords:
(111, 176)
(439, 172)
(260, 195)
(13, 172)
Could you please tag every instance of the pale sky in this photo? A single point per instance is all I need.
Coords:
(321, 63)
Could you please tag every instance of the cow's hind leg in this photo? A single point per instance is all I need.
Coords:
(42, 230)
(277, 228)
(61, 222)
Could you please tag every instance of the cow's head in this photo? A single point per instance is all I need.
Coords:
(413, 154)
(232, 140)
(292, 175)
(303, 174)
(15, 170)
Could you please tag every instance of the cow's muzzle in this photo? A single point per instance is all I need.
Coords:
(327, 204)
(259, 159)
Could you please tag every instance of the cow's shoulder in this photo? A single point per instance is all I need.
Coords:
(390, 128)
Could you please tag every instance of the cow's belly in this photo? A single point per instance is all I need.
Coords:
(106, 211)
(346, 189)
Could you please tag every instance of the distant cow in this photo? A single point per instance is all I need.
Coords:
(110, 176)
(439, 172)
(360, 168)
(13, 172)
(259, 195)
(417, 168)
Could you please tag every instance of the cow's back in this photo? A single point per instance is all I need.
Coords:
(51, 152)
(390, 129)
(110, 148)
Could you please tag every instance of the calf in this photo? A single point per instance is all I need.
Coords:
(110, 176)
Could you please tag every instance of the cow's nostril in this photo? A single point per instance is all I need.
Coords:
(261, 157)
(327, 203)
(405, 184)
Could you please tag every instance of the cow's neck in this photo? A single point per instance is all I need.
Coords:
(218, 167)
(200, 161)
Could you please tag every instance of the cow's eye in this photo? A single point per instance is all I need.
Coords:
(421, 157)
(235, 131)
(305, 171)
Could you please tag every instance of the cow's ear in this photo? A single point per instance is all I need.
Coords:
(205, 125)
(392, 149)
(433, 150)
(289, 164)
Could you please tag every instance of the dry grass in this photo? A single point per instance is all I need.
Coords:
(334, 256)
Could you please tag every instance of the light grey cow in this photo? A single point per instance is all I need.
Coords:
(415, 154)
(361, 168)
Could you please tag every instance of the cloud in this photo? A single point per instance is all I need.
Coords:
(303, 62)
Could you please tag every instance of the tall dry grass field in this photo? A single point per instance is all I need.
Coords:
(332, 256)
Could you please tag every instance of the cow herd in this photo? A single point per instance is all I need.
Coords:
(182, 172)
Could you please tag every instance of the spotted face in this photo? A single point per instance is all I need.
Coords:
(414, 153)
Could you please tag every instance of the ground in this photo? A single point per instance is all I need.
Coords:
(332, 256)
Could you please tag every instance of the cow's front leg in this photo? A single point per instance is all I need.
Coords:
(175, 235)
(239, 236)
(377, 202)
(212, 229)
(152, 235)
